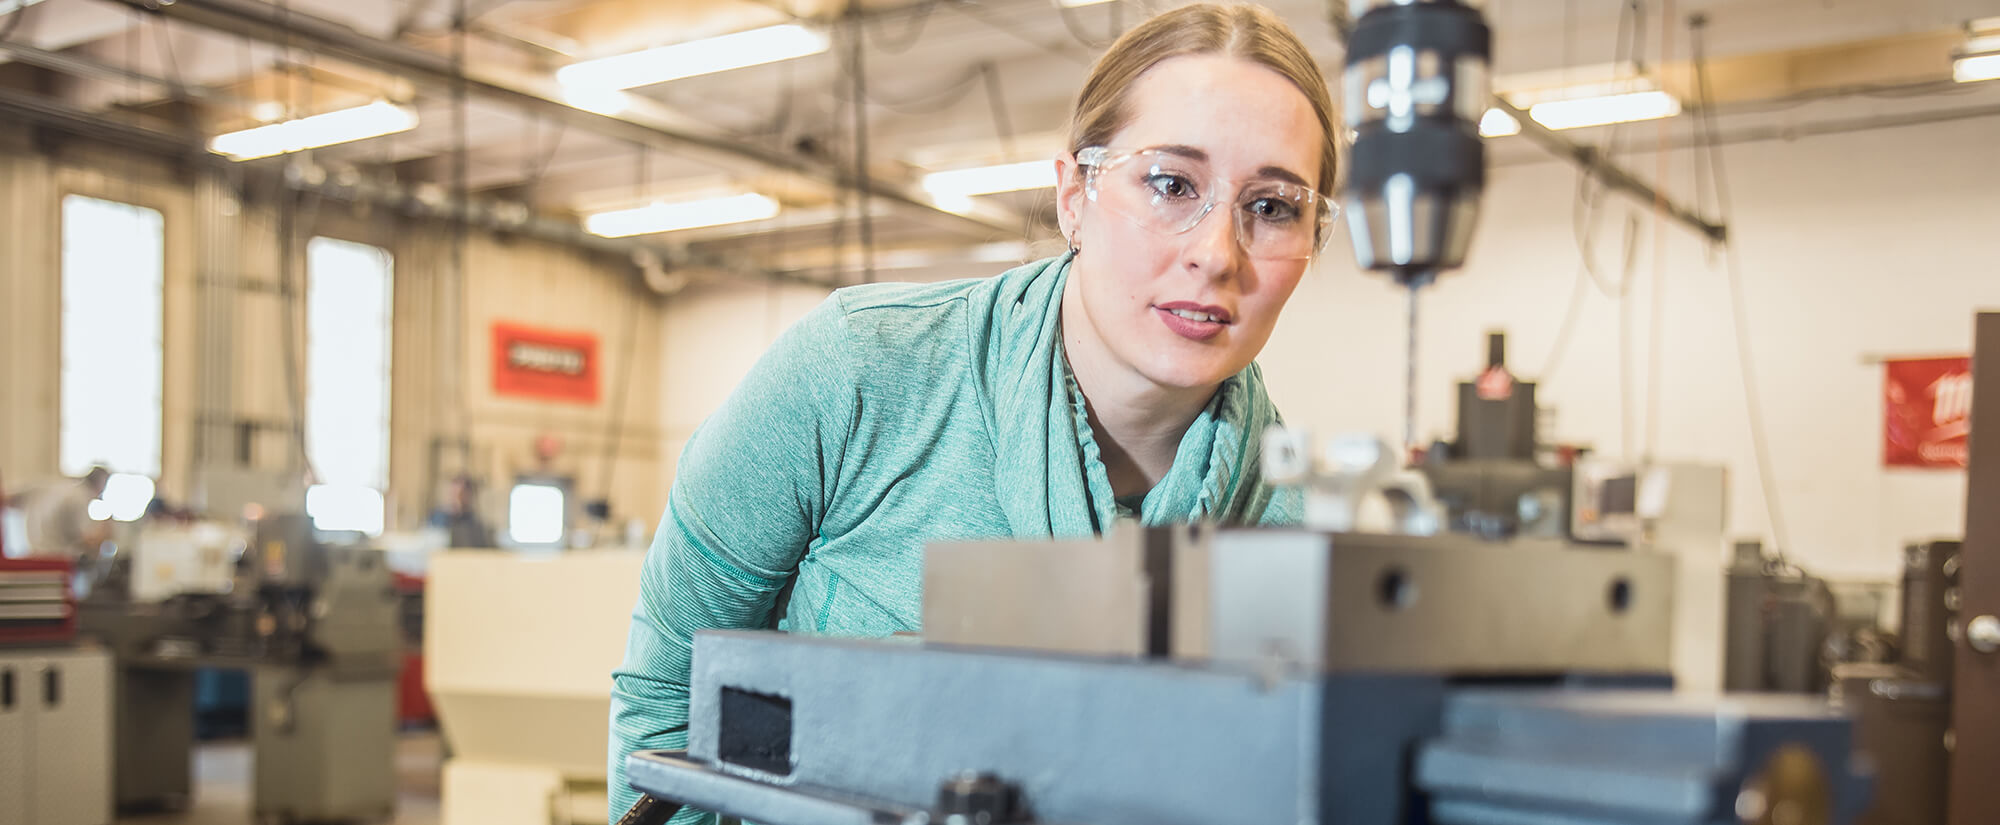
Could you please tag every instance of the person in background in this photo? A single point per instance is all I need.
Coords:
(459, 516)
(59, 523)
(1116, 382)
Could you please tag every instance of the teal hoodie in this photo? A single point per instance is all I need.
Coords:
(891, 416)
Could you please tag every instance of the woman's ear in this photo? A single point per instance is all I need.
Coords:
(1069, 196)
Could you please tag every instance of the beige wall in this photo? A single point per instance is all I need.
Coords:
(546, 286)
(440, 395)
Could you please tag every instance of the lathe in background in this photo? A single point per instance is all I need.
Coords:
(315, 623)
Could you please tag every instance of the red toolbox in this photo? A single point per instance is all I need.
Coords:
(36, 603)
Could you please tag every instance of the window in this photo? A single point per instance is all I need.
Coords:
(113, 270)
(536, 514)
(348, 310)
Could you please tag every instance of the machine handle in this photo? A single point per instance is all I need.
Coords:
(1983, 633)
(7, 689)
(51, 686)
(649, 810)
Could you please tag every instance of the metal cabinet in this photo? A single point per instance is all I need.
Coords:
(55, 736)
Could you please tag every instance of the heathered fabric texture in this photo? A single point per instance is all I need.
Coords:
(891, 416)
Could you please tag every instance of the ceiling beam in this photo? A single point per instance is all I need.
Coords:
(643, 123)
(433, 202)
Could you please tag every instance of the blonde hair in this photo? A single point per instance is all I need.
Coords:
(1252, 33)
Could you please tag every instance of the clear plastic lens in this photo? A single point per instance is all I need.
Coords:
(1170, 194)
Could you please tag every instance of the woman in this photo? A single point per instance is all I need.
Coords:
(1113, 381)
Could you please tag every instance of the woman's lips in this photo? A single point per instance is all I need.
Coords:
(1190, 328)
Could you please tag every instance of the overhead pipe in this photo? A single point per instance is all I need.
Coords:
(270, 24)
(423, 200)
(1593, 162)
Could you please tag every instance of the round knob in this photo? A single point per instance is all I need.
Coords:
(1983, 633)
(976, 799)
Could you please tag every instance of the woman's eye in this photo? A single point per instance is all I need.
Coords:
(1173, 186)
(1275, 210)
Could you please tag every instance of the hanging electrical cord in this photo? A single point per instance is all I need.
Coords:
(1738, 309)
(1076, 33)
(1590, 198)
(615, 424)
(1002, 124)
(777, 128)
(862, 179)
(928, 102)
(461, 231)
(1656, 328)
(291, 287)
(1571, 313)
(913, 31)
(176, 82)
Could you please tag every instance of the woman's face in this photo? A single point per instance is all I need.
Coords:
(1242, 125)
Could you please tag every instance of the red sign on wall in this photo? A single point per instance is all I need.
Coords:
(544, 364)
(1927, 406)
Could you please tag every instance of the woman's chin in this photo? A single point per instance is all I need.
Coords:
(1190, 374)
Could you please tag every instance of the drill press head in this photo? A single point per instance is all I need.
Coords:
(1415, 87)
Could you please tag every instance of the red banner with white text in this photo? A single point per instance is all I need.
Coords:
(1927, 412)
(545, 364)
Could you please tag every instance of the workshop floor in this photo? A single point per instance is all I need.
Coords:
(223, 785)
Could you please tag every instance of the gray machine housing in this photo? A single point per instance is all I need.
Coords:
(1538, 711)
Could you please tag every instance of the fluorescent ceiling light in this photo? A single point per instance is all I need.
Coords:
(986, 180)
(1604, 110)
(601, 101)
(361, 122)
(1976, 68)
(1980, 59)
(695, 57)
(953, 202)
(667, 217)
(1497, 123)
(1070, 4)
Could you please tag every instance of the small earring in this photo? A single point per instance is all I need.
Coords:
(1073, 248)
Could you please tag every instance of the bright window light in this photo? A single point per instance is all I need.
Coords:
(345, 507)
(1976, 68)
(349, 308)
(126, 495)
(1605, 109)
(1497, 123)
(695, 57)
(535, 514)
(14, 528)
(986, 180)
(113, 258)
(668, 216)
(342, 126)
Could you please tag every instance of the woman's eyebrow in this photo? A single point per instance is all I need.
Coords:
(1196, 153)
(1283, 174)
